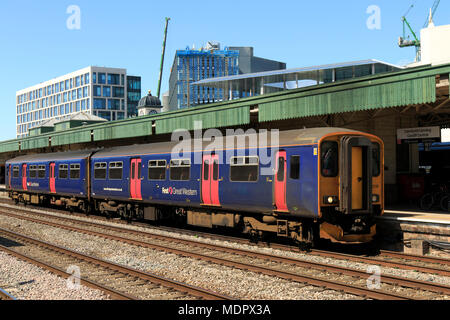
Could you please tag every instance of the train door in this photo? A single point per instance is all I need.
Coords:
(9, 175)
(357, 178)
(24, 177)
(210, 180)
(280, 181)
(355, 171)
(52, 178)
(135, 179)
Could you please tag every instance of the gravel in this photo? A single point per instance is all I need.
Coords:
(410, 274)
(34, 283)
(236, 283)
(162, 265)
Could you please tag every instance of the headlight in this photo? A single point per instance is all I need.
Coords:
(330, 200)
(375, 198)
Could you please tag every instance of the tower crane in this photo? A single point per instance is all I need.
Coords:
(405, 40)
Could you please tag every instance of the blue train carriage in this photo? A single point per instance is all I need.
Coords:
(321, 183)
(53, 178)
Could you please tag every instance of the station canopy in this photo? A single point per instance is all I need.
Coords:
(252, 84)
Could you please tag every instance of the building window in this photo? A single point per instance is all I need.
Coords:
(180, 170)
(63, 171)
(67, 85)
(100, 170)
(74, 171)
(86, 78)
(157, 169)
(78, 106)
(115, 170)
(113, 79)
(102, 78)
(106, 91)
(113, 104)
(77, 82)
(83, 105)
(244, 169)
(97, 91)
(120, 115)
(99, 104)
(118, 92)
(79, 93)
(105, 115)
(94, 77)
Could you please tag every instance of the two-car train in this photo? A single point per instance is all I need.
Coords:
(322, 183)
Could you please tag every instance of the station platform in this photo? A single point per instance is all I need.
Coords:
(433, 217)
(412, 230)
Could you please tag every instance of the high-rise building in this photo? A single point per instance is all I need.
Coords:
(96, 90)
(192, 65)
(133, 95)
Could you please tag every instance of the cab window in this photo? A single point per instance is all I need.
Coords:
(329, 159)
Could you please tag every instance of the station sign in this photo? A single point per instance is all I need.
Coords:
(419, 135)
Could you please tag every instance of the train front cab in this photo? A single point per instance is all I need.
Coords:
(350, 187)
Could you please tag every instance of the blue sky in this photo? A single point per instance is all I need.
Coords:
(36, 45)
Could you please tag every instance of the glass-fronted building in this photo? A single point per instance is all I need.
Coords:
(96, 90)
(133, 95)
(191, 66)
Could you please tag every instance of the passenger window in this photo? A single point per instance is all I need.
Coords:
(100, 170)
(280, 173)
(133, 168)
(32, 171)
(244, 169)
(329, 158)
(41, 172)
(295, 167)
(15, 172)
(216, 170)
(206, 170)
(74, 171)
(157, 169)
(115, 170)
(63, 171)
(180, 170)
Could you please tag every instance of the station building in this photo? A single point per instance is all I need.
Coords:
(391, 102)
(108, 93)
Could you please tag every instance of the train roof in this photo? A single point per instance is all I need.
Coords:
(291, 137)
(43, 157)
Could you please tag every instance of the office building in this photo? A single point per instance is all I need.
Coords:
(98, 91)
(192, 65)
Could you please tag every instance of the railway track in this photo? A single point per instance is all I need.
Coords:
(119, 281)
(431, 265)
(283, 267)
(5, 295)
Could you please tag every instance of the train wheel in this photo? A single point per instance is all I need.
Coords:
(445, 203)
(427, 201)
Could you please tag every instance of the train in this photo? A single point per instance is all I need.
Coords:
(320, 184)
